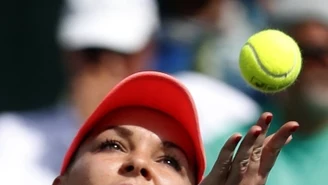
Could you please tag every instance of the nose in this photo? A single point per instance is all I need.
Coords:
(136, 166)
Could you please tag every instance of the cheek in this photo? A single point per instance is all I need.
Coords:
(94, 170)
(171, 180)
(166, 176)
(313, 85)
(314, 74)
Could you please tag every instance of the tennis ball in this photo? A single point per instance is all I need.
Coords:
(270, 61)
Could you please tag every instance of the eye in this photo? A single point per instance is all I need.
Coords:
(111, 145)
(171, 161)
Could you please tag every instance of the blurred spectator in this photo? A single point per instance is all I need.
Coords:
(181, 8)
(219, 105)
(218, 55)
(257, 11)
(102, 42)
(210, 40)
(183, 26)
(304, 160)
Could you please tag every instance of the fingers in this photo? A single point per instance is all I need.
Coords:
(267, 139)
(240, 163)
(222, 165)
(274, 144)
(289, 139)
(254, 160)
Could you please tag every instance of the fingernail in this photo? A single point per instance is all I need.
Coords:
(293, 129)
(257, 133)
(237, 139)
(268, 119)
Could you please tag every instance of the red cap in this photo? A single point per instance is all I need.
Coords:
(153, 90)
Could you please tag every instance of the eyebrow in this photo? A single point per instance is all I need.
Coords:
(121, 131)
(170, 145)
(125, 132)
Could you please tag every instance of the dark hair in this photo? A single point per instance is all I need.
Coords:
(93, 53)
(177, 8)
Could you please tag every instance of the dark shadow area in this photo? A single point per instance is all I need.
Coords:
(30, 74)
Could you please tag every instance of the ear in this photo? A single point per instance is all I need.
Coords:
(60, 180)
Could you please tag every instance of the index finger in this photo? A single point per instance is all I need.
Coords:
(264, 122)
(274, 145)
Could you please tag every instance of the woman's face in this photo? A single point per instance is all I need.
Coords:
(312, 84)
(140, 147)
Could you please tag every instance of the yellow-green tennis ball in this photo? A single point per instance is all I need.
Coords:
(270, 61)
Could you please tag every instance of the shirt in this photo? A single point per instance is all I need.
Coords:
(33, 144)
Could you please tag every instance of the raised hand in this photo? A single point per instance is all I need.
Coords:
(255, 157)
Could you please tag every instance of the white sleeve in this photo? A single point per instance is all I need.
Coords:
(20, 147)
(220, 107)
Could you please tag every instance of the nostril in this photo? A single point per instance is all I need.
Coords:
(129, 168)
(144, 172)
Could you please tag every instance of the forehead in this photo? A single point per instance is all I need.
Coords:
(150, 119)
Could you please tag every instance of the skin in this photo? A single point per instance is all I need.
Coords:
(100, 74)
(138, 156)
(254, 158)
(307, 100)
(126, 148)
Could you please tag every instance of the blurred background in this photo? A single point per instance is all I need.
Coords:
(61, 57)
(32, 75)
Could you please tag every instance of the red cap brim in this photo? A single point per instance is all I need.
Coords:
(153, 90)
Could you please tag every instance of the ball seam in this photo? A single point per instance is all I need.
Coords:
(259, 62)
